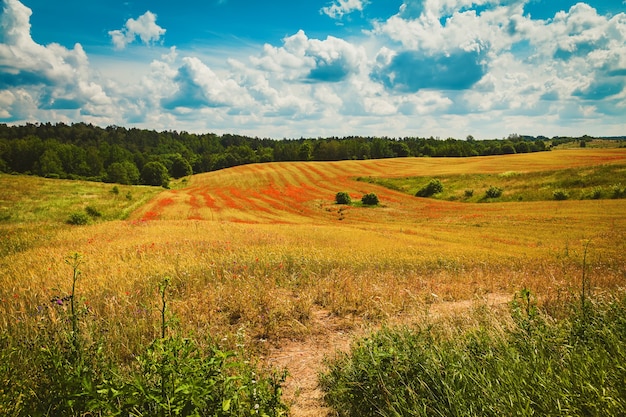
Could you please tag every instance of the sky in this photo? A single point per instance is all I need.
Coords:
(309, 68)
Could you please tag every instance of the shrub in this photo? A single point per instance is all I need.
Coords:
(469, 193)
(493, 192)
(560, 195)
(78, 219)
(343, 198)
(433, 187)
(93, 212)
(617, 191)
(370, 199)
(596, 193)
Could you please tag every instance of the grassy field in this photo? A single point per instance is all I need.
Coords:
(253, 254)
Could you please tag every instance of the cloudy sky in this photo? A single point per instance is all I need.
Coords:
(290, 69)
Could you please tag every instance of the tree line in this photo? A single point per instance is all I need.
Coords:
(138, 156)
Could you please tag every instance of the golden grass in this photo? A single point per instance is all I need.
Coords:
(255, 250)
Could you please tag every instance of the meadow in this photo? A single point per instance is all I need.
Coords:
(259, 257)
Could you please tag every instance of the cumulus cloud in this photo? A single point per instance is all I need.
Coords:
(313, 60)
(340, 8)
(144, 27)
(198, 86)
(46, 77)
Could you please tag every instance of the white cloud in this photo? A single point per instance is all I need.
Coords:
(342, 7)
(39, 77)
(144, 27)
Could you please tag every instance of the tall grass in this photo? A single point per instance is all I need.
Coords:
(56, 364)
(534, 366)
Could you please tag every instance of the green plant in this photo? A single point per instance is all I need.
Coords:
(433, 187)
(535, 367)
(93, 212)
(343, 198)
(617, 191)
(560, 195)
(493, 192)
(370, 199)
(78, 219)
(469, 193)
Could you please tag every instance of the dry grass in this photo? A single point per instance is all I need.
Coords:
(257, 250)
(261, 255)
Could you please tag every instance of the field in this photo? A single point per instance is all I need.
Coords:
(260, 256)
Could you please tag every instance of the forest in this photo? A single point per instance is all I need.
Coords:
(137, 156)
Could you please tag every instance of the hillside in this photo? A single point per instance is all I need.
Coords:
(260, 256)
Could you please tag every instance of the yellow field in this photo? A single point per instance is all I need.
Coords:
(259, 249)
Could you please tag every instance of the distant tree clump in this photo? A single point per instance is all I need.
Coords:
(343, 198)
(370, 199)
(433, 187)
(155, 173)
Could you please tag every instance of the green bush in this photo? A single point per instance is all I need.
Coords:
(618, 192)
(343, 198)
(469, 193)
(78, 219)
(433, 187)
(560, 195)
(369, 199)
(493, 192)
(93, 212)
(537, 367)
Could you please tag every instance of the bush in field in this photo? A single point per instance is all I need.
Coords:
(370, 199)
(469, 193)
(433, 187)
(560, 195)
(618, 192)
(93, 212)
(493, 192)
(78, 219)
(536, 367)
(343, 198)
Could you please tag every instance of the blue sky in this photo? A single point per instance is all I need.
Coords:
(443, 68)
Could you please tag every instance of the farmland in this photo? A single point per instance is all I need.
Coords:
(261, 256)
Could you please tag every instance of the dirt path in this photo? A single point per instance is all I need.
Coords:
(304, 358)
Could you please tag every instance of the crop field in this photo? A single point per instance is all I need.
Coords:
(261, 257)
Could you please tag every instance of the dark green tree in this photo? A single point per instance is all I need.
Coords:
(180, 167)
(155, 173)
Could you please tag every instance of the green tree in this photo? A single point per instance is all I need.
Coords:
(50, 164)
(155, 173)
(123, 173)
(180, 167)
(369, 199)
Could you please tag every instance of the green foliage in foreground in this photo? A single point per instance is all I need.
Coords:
(540, 367)
(57, 365)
